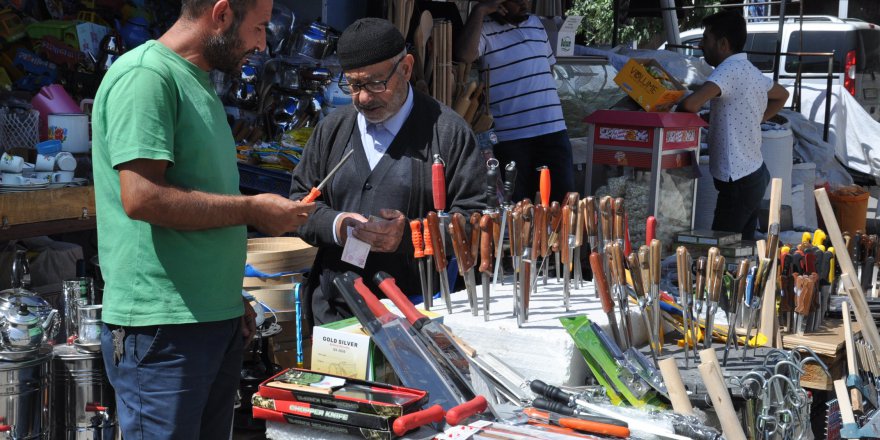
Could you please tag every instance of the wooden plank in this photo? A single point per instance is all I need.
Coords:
(829, 340)
(768, 325)
(46, 228)
(46, 205)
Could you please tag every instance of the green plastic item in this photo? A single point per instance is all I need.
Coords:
(61, 29)
(620, 383)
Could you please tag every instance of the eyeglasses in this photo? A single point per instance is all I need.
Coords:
(372, 86)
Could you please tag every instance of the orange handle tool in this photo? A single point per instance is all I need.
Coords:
(416, 227)
(438, 181)
(407, 423)
(545, 186)
(429, 246)
(461, 412)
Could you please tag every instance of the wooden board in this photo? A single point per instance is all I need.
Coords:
(47, 205)
(827, 341)
(280, 254)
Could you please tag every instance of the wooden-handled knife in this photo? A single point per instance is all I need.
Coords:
(601, 285)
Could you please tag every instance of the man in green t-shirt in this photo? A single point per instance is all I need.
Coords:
(172, 224)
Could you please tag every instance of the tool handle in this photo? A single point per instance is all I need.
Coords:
(539, 220)
(731, 428)
(376, 307)
(555, 221)
(474, 249)
(650, 229)
(95, 407)
(619, 230)
(601, 282)
(580, 214)
(460, 245)
(350, 285)
(491, 186)
(656, 253)
(429, 245)
(718, 274)
(590, 220)
(439, 251)
(544, 185)
(313, 194)
(677, 393)
(462, 412)
(406, 423)
(388, 285)
(551, 392)
(592, 427)
(617, 260)
(565, 231)
(415, 226)
(438, 183)
(553, 406)
(701, 278)
(509, 181)
(607, 218)
(635, 270)
(487, 235)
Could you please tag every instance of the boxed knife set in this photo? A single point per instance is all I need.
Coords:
(334, 403)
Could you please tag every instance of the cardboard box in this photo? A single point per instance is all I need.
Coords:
(645, 89)
(342, 348)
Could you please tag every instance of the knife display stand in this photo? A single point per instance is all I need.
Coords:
(651, 156)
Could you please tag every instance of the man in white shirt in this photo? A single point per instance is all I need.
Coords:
(740, 98)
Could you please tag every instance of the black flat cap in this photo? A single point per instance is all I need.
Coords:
(368, 41)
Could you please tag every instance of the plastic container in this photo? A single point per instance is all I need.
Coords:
(50, 147)
(52, 99)
(259, 180)
(777, 149)
(850, 206)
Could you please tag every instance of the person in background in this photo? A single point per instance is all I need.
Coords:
(394, 133)
(740, 98)
(171, 233)
(513, 46)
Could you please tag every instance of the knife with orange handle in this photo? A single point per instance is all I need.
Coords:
(462, 249)
(429, 257)
(487, 228)
(635, 271)
(440, 262)
(544, 186)
(578, 424)
(601, 285)
(418, 242)
(315, 192)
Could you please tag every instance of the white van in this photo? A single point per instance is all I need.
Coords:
(855, 43)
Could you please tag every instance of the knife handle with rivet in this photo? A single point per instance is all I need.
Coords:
(408, 422)
(619, 227)
(554, 221)
(601, 283)
(433, 232)
(656, 251)
(635, 271)
(580, 211)
(607, 219)
(565, 232)
(459, 243)
(467, 409)
(474, 242)
(487, 232)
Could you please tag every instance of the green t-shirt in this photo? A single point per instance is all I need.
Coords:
(153, 104)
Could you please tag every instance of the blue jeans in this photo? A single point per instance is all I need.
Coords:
(739, 203)
(552, 150)
(175, 381)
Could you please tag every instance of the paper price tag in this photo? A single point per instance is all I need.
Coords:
(355, 251)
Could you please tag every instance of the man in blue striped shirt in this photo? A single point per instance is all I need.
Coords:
(513, 47)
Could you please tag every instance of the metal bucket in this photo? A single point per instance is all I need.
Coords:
(25, 390)
(84, 407)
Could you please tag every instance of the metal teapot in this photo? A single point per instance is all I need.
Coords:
(22, 329)
(12, 299)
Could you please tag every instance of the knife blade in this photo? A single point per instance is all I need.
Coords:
(410, 361)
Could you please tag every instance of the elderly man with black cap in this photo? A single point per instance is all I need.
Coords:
(394, 132)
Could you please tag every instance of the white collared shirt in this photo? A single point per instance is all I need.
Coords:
(735, 123)
(376, 138)
(379, 137)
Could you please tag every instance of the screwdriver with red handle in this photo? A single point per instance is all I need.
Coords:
(316, 191)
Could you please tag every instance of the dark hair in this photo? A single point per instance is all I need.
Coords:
(727, 24)
(191, 9)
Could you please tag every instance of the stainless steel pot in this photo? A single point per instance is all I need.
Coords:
(84, 407)
(25, 394)
(21, 329)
